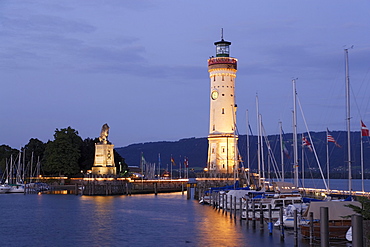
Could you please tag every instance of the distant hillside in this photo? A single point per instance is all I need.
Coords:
(196, 151)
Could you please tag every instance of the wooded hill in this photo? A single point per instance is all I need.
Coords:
(195, 149)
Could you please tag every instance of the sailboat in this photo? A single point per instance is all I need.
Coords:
(14, 185)
(338, 226)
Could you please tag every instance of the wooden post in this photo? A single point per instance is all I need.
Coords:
(281, 224)
(234, 207)
(295, 224)
(261, 216)
(225, 204)
(324, 226)
(311, 228)
(231, 206)
(271, 226)
(241, 208)
(247, 210)
(254, 212)
(357, 231)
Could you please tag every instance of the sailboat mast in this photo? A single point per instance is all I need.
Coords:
(248, 159)
(281, 151)
(295, 141)
(327, 159)
(348, 123)
(258, 143)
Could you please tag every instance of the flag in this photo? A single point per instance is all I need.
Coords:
(305, 142)
(330, 138)
(364, 130)
(173, 161)
(143, 161)
(186, 162)
(285, 150)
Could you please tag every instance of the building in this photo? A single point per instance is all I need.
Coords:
(222, 138)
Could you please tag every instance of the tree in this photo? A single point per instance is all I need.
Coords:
(61, 155)
(120, 163)
(5, 153)
(35, 147)
(86, 160)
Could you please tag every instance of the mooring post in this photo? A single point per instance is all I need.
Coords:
(218, 201)
(357, 231)
(247, 210)
(240, 208)
(231, 206)
(311, 228)
(261, 216)
(324, 226)
(271, 226)
(281, 223)
(234, 207)
(254, 212)
(295, 224)
(225, 204)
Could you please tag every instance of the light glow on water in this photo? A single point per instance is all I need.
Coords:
(137, 220)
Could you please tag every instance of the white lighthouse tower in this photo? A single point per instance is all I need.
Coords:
(222, 139)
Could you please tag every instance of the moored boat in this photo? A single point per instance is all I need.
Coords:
(338, 224)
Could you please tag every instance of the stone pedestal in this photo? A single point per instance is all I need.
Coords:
(104, 160)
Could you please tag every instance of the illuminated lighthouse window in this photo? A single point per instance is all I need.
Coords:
(222, 49)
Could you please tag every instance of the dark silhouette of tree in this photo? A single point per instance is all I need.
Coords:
(86, 160)
(5, 153)
(62, 155)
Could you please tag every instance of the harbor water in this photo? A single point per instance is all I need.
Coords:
(137, 220)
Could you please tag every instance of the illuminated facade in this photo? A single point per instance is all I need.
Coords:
(222, 138)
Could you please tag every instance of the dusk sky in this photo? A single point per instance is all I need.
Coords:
(141, 66)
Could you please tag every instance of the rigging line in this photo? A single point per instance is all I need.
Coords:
(366, 87)
(357, 106)
(271, 153)
(312, 144)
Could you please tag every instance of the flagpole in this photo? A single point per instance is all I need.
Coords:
(362, 161)
(327, 159)
(295, 141)
(180, 166)
(159, 165)
(348, 123)
(302, 164)
(171, 166)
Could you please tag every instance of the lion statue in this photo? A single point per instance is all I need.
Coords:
(104, 134)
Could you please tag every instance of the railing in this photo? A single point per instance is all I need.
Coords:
(222, 60)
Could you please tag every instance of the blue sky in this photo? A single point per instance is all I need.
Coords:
(141, 66)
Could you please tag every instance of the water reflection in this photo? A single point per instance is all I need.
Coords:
(214, 229)
(145, 220)
(101, 213)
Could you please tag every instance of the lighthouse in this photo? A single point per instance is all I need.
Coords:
(222, 138)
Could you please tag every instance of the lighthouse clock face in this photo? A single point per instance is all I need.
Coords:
(214, 95)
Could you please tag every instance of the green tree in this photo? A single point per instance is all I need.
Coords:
(86, 160)
(120, 164)
(5, 153)
(364, 210)
(62, 155)
(35, 148)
